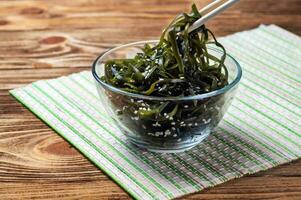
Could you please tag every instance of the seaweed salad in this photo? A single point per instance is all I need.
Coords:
(178, 65)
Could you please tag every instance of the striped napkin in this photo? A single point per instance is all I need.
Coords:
(261, 129)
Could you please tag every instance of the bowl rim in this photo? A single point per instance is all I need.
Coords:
(146, 97)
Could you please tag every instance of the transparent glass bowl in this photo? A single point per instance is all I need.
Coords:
(171, 135)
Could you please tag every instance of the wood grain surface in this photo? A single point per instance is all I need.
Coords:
(47, 39)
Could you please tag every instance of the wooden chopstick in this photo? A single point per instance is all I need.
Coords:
(211, 6)
(211, 11)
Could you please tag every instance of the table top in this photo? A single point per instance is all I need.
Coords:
(48, 39)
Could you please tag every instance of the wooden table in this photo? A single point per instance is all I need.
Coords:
(47, 39)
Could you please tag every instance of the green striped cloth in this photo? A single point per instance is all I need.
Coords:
(261, 129)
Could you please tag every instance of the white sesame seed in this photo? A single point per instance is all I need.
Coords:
(135, 118)
(143, 126)
(156, 124)
(206, 121)
(132, 100)
(167, 132)
(158, 133)
(186, 106)
(175, 135)
(173, 128)
(179, 139)
(173, 123)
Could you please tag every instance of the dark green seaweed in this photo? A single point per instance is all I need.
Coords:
(179, 65)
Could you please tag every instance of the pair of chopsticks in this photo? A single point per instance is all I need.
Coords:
(210, 11)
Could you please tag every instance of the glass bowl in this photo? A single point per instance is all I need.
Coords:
(166, 134)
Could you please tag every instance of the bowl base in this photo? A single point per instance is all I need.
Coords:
(177, 148)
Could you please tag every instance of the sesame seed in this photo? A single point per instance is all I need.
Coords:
(135, 118)
(186, 106)
(158, 133)
(156, 124)
(173, 123)
(143, 126)
(179, 139)
(206, 121)
(175, 135)
(132, 100)
(167, 132)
